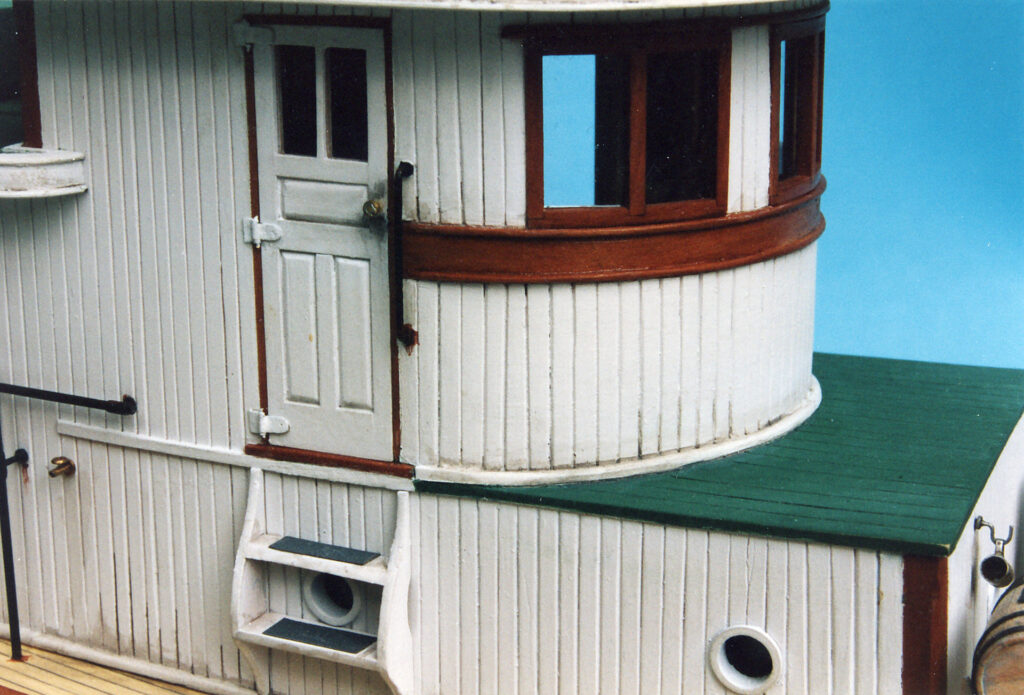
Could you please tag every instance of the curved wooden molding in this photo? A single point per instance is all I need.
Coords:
(26, 172)
(505, 254)
(639, 466)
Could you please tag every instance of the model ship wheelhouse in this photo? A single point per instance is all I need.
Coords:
(472, 344)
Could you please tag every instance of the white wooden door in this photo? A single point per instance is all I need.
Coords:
(321, 127)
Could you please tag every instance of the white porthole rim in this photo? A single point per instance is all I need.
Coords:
(323, 607)
(638, 466)
(729, 676)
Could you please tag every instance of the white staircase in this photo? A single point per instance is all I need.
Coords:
(257, 629)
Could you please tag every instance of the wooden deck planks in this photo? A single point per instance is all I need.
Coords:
(49, 673)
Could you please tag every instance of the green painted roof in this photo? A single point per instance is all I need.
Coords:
(894, 459)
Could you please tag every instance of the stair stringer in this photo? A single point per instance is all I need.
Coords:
(247, 584)
(394, 635)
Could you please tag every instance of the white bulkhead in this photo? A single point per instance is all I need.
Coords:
(145, 285)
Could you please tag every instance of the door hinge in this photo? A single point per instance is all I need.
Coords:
(255, 232)
(262, 424)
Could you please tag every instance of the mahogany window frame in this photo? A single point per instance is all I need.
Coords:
(810, 108)
(636, 45)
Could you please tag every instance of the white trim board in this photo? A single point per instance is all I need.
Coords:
(229, 457)
(129, 664)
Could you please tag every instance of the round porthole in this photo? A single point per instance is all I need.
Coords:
(745, 659)
(334, 600)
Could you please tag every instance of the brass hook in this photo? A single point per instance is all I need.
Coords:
(979, 521)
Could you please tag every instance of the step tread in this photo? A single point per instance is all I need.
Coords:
(325, 636)
(335, 553)
(265, 548)
(313, 640)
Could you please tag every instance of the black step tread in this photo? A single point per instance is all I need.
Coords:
(335, 638)
(337, 553)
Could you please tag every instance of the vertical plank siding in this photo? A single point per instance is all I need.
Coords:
(970, 598)
(629, 607)
(578, 375)
(143, 286)
(459, 117)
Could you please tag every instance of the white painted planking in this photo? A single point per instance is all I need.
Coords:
(450, 366)
(608, 374)
(970, 598)
(587, 374)
(199, 370)
(493, 121)
(549, 569)
(517, 393)
(449, 145)
(651, 303)
(563, 346)
(471, 128)
(637, 603)
(538, 329)
(495, 312)
(749, 120)
(628, 320)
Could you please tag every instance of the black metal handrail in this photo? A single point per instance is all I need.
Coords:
(125, 406)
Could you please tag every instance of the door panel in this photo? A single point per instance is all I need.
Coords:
(326, 290)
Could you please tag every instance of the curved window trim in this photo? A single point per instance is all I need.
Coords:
(809, 174)
(635, 43)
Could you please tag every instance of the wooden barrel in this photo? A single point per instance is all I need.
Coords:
(999, 656)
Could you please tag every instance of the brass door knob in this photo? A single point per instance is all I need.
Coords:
(62, 465)
(373, 209)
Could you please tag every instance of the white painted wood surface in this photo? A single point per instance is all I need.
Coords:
(267, 583)
(572, 603)
(143, 286)
(459, 117)
(574, 376)
(749, 120)
(325, 281)
(971, 598)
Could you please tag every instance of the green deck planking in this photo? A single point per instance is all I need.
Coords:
(894, 459)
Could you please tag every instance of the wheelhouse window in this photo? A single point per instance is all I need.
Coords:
(797, 59)
(10, 78)
(626, 130)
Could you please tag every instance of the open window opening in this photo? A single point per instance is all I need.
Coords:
(797, 60)
(627, 131)
(328, 84)
(19, 98)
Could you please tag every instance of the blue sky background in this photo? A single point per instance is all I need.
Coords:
(923, 255)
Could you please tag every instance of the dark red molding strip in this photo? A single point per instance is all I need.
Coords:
(319, 458)
(505, 254)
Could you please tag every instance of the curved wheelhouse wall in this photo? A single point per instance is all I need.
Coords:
(542, 377)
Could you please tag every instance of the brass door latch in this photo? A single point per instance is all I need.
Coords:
(62, 465)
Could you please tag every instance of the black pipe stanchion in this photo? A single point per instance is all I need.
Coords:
(125, 406)
(8, 555)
